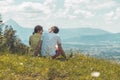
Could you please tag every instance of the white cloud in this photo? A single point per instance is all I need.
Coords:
(85, 13)
(71, 13)
(4, 5)
(34, 8)
(98, 5)
(76, 1)
(109, 16)
(72, 17)
(117, 14)
(5, 2)
(74, 4)
(48, 2)
(60, 14)
(76, 9)
(88, 4)
(10, 1)
(27, 11)
(112, 16)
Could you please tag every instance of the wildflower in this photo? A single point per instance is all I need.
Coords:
(95, 74)
(21, 63)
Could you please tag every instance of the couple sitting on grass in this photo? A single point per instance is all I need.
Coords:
(46, 44)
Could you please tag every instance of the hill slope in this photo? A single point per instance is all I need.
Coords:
(79, 67)
(76, 33)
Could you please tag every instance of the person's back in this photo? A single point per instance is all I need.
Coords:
(50, 41)
(35, 38)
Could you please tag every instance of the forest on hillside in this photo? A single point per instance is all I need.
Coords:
(10, 42)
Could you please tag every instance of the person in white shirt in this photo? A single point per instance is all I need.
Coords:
(51, 44)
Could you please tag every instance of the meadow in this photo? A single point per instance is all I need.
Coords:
(78, 67)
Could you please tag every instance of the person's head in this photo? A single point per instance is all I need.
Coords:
(54, 29)
(38, 29)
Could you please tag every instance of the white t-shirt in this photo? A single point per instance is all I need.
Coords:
(49, 42)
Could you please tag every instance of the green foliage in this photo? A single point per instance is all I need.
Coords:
(79, 67)
(11, 43)
(0, 30)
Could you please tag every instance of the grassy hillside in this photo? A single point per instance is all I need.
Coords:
(80, 67)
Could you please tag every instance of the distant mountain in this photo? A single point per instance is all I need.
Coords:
(77, 34)
(14, 24)
(96, 39)
(84, 31)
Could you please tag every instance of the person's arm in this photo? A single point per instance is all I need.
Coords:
(61, 49)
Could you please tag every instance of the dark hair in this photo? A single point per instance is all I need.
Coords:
(37, 28)
(55, 29)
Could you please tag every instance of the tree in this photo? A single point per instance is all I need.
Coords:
(1, 22)
(9, 41)
(1, 36)
(9, 34)
(13, 43)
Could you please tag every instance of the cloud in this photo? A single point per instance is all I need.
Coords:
(30, 7)
(67, 12)
(77, 8)
(91, 5)
(112, 16)
(10, 1)
(73, 2)
(26, 11)
(109, 16)
(99, 5)
(85, 13)
(6, 1)
(48, 2)
(117, 14)
(4, 5)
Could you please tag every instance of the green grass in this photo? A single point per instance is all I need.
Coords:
(80, 67)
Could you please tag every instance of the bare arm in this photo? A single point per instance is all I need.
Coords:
(62, 51)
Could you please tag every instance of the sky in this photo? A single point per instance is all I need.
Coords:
(101, 14)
